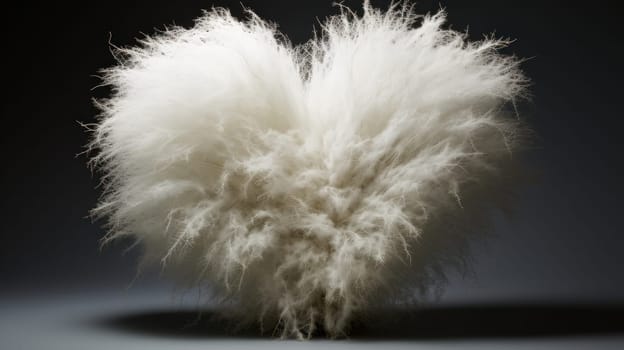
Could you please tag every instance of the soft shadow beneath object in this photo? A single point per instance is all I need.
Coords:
(475, 321)
(178, 323)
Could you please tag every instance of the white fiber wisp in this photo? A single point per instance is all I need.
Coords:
(305, 184)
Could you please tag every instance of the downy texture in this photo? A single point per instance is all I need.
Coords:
(305, 184)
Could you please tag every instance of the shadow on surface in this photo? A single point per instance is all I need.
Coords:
(496, 321)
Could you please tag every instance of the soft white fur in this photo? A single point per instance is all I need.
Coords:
(303, 184)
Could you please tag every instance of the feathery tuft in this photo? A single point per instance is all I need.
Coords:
(304, 183)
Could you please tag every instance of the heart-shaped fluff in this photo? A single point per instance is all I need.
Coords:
(305, 184)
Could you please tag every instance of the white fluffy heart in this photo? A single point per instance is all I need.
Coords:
(307, 183)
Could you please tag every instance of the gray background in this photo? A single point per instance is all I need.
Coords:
(562, 246)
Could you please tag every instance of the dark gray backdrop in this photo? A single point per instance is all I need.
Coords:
(565, 240)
